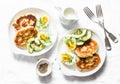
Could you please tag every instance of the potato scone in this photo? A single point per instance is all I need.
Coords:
(89, 63)
(24, 21)
(87, 50)
(23, 35)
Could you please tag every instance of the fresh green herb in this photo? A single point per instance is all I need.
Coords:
(71, 58)
(78, 31)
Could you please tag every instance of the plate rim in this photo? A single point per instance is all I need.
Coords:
(77, 75)
(28, 54)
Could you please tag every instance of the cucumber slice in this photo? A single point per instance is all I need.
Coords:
(39, 48)
(30, 50)
(33, 46)
(80, 33)
(30, 40)
(37, 41)
(84, 31)
(87, 36)
(79, 43)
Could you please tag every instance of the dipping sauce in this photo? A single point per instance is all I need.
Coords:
(43, 68)
(69, 13)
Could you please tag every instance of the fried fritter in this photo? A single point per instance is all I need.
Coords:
(87, 50)
(24, 21)
(89, 63)
(23, 35)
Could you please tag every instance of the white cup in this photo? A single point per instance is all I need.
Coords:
(68, 16)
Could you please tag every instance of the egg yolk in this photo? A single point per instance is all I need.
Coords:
(70, 44)
(44, 20)
(65, 57)
(43, 37)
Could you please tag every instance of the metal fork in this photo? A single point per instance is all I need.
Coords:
(101, 23)
(100, 17)
(92, 17)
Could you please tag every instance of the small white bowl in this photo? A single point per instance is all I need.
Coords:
(69, 16)
(42, 61)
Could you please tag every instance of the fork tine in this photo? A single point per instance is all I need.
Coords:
(88, 12)
(99, 11)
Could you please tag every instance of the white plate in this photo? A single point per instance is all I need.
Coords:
(37, 12)
(72, 71)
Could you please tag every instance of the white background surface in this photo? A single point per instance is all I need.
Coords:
(21, 70)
